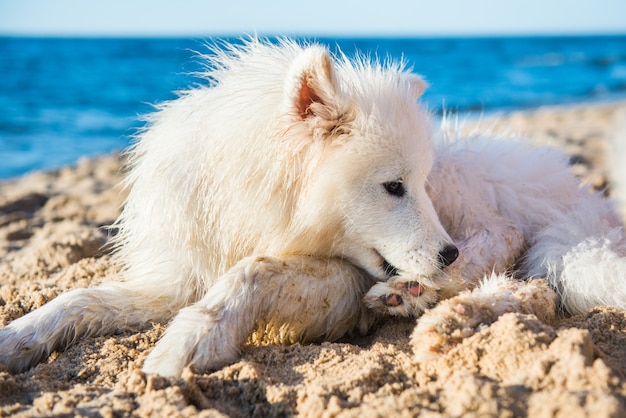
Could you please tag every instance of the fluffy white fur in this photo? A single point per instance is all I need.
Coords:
(271, 200)
(504, 202)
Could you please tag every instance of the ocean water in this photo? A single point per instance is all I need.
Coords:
(61, 99)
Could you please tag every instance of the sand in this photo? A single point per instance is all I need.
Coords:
(51, 237)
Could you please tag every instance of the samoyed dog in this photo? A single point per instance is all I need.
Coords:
(298, 195)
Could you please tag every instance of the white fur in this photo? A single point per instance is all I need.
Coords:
(260, 205)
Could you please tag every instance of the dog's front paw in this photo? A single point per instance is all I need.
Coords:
(169, 358)
(20, 349)
(199, 337)
(400, 297)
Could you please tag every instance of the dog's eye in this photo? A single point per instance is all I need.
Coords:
(395, 188)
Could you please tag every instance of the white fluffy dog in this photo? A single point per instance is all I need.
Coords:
(297, 184)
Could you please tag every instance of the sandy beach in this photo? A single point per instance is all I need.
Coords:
(53, 238)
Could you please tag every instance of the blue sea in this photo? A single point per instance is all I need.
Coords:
(61, 99)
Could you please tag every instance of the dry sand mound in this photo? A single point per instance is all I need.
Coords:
(51, 234)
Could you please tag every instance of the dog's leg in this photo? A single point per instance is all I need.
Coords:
(582, 254)
(79, 313)
(291, 299)
(454, 319)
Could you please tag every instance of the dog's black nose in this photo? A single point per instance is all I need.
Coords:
(448, 255)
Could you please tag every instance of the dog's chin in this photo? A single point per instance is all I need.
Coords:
(381, 269)
(384, 270)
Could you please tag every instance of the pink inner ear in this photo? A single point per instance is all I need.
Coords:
(306, 99)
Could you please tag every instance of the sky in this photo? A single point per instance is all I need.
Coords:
(313, 18)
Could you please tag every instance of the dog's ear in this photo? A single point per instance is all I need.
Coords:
(312, 86)
(417, 85)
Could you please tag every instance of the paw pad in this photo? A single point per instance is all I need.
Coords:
(414, 288)
(391, 300)
(462, 309)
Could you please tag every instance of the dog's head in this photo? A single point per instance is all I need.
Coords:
(369, 153)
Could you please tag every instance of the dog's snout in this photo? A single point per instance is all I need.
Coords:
(448, 255)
